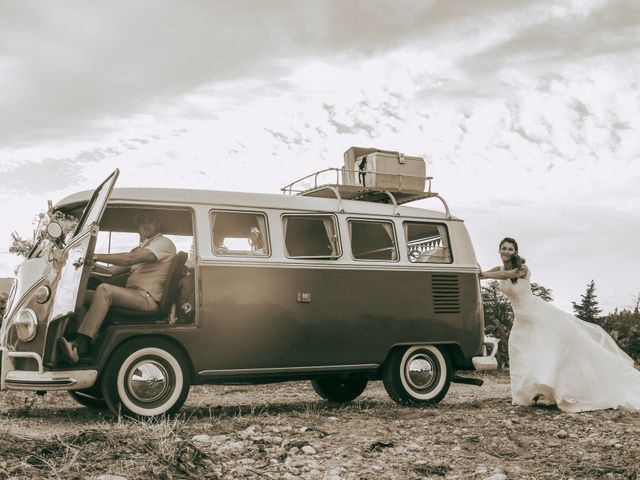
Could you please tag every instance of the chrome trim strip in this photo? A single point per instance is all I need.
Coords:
(19, 302)
(312, 369)
(386, 267)
(34, 355)
(63, 380)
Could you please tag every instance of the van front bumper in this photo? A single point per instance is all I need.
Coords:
(50, 381)
(41, 380)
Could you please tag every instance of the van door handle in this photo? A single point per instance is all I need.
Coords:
(304, 297)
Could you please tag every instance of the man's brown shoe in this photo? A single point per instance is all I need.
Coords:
(69, 350)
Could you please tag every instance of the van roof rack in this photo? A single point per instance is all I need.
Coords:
(318, 185)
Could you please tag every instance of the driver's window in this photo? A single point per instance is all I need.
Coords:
(113, 242)
(373, 240)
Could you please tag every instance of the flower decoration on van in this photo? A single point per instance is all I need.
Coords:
(66, 222)
(22, 246)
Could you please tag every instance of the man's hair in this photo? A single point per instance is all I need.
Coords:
(147, 213)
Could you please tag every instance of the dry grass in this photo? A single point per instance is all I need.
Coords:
(285, 431)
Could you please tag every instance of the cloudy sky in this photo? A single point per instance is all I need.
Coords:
(527, 112)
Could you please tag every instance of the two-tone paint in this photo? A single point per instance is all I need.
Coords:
(250, 325)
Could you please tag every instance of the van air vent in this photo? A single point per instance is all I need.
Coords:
(445, 291)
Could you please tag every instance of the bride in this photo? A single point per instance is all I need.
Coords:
(556, 358)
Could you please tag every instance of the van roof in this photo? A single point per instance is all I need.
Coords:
(183, 196)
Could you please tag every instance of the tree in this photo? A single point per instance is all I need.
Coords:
(624, 328)
(498, 315)
(3, 305)
(635, 303)
(632, 342)
(498, 318)
(544, 293)
(588, 309)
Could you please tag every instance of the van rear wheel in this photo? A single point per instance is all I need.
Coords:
(340, 389)
(418, 375)
(146, 377)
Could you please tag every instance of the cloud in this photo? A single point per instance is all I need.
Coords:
(33, 176)
(46, 175)
(67, 69)
(545, 36)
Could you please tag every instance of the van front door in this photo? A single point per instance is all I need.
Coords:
(74, 274)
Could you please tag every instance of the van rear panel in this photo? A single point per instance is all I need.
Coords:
(257, 317)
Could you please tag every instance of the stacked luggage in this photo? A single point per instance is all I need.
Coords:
(383, 170)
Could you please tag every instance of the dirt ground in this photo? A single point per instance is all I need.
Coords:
(286, 431)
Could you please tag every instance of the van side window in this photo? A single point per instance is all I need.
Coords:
(239, 234)
(311, 236)
(118, 230)
(427, 242)
(372, 240)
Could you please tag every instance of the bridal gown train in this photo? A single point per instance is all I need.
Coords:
(563, 360)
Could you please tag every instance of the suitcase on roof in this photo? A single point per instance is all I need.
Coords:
(384, 169)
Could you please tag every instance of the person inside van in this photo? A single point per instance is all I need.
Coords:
(148, 264)
(257, 242)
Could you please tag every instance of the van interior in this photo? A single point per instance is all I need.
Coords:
(119, 233)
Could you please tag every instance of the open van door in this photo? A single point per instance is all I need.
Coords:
(69, 292)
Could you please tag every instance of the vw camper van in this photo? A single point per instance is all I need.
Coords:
(339, 284)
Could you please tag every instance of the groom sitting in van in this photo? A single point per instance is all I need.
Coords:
(149, 264)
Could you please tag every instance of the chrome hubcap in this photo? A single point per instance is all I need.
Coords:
(420, 371)
(148, 381)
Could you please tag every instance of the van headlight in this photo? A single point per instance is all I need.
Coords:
(26, 324)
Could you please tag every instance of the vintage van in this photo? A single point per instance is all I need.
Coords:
(329, 286)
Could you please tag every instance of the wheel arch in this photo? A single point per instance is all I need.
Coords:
(454, 350)
(117, 343)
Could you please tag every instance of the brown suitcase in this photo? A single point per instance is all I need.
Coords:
(384, 169)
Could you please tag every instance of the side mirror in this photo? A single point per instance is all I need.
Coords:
(54, 230)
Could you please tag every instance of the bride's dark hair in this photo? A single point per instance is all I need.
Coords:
(516, 260)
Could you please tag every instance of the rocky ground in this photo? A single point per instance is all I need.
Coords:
(286, 431)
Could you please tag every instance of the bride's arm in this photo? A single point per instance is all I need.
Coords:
(496, 274)
(484, 274)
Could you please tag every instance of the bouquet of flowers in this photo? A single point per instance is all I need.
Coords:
(22, 246)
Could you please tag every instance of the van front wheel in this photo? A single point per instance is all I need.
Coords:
(340, 389)
(419, 375)
(146, 378)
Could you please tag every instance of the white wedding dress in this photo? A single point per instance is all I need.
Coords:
(556, 358)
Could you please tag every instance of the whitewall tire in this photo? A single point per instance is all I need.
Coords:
(417, 375)
(146, 378)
